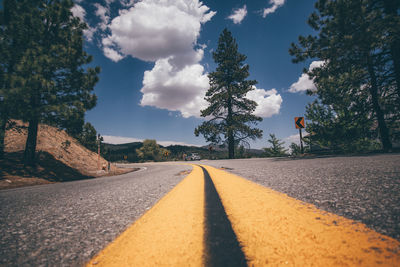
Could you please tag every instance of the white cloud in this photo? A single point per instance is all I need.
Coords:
(102, 12)
(112, 54)
(275, 5)
(78, 11)
(116, 140)
(171, 143)
(238, 15)
(88, 33)
(315, 64)
(292, 139)
(176, 90)
(125, 3)
(164, 32)
(269, 102)
(155, 29)
(304, 83)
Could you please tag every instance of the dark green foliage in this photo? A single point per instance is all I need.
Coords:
(341, 130)
(3, 125)
(276, 149)
(117, 153)
(229, 109)
(151, 151)
(241, 152)
(122, 152)
(294, 149)
(357, 85)
(66, 144)
(88, 137)
(43, 79)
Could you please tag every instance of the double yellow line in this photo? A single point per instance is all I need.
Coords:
(272, 229)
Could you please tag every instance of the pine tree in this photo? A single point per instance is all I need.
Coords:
(88, 137)
(11, 22)
(341, 130)
(354, 75)
(229, 109)
(276, 149)
(390, 22)
(3, 124)
(294, 149)
(46, 77)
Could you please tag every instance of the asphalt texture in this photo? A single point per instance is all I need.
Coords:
(66, 224)
(222, 247)
(362, 188)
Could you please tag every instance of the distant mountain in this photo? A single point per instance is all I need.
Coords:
(127, 152)
(121, 147)
(122, 152)
(225, 149)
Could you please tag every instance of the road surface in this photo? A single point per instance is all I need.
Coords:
(67, 224)
(362, 188)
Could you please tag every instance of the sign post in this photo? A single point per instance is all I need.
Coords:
(98, 151)
(299, 123)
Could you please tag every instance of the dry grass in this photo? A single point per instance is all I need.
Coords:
(60, 158)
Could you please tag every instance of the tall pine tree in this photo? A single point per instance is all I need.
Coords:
(229, 109)
(390, 19)
(12, 46)
(47, 76)
(354, 76)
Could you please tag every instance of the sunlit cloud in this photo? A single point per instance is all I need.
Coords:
(275, 5)
(238, 15)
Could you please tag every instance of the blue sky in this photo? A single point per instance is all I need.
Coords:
(155, 56)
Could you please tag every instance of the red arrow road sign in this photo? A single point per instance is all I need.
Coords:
(299, 122)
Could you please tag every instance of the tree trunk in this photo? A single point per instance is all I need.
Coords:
(231, 140)
(3, 124)
(383, 130)
(231, 145)
(395, 53)
(31, 141)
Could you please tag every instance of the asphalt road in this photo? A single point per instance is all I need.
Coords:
(66, 224)
(362, 188)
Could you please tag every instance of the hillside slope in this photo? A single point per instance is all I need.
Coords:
(60, 158)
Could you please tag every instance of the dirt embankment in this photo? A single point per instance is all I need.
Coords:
(60, 158)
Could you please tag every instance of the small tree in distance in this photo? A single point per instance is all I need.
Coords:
(276, 149)
(229, 109)
(294, 149)
(151, 151)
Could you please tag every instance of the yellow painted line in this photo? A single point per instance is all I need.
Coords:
(169, 234)
(275, 229)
